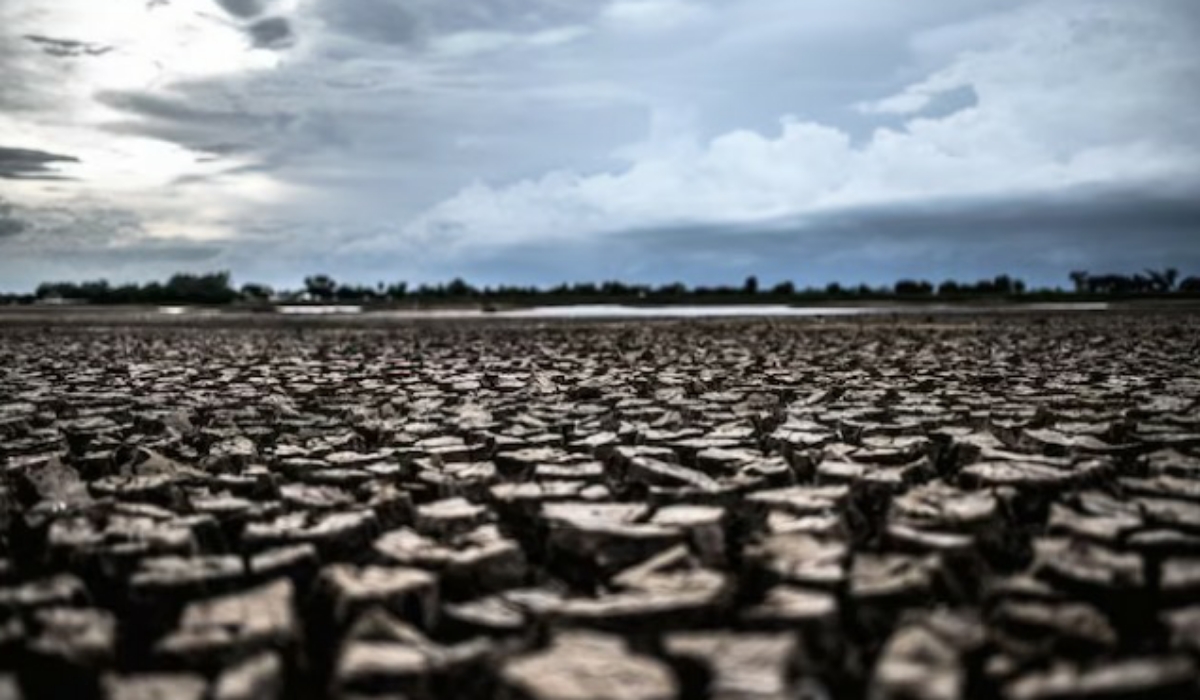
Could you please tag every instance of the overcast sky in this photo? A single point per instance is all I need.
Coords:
(535, 141)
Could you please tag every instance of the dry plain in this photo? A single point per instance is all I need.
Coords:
(999, 506)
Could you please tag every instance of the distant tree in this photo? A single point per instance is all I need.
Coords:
(153, 293)
(614, 288)
(321, 287)
(673, 290)
(436, 291)
(459, 288)
(252, 291)
(51, 290)
(214, 288)
(128, 293)
(397, 291)
(211, 288)
(980, 288)
(96, 292)
(586, 289)
(909, 288)
(351, 292)
(1163, 281)
(181, 288)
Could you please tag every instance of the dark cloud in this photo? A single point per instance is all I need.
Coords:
(89, 239)
(381, 21)
(26, 163)
(67, 48)
(271, 33)
(242, 8)
(401, 22)
(1038, 238)
(393, 106)
(10, 224)
(73, 228)
(964, 222)
(157, 253)
(1106, 212)
(221, 149)
(266, 33)
(165, 107)
(86, 239)
(211, 122)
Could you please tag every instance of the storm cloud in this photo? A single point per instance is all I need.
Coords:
(242, 8)
(67, 48)
(535, 141)
(273, 32)
(28, 163)
(10, 225)
(1041, 238)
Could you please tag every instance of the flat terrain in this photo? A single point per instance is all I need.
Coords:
(997, 507)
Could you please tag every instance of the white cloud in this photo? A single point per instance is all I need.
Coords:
(915, 98)
(1069, 94)
(143, 49)
(652, 15)
(469, 44)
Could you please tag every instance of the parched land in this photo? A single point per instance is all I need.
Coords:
(997, 507)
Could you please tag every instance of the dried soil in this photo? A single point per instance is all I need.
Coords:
(994, 507)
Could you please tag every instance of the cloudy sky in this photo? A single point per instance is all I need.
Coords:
(534, 141)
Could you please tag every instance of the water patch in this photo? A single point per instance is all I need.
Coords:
(330, 310)
(778, 310)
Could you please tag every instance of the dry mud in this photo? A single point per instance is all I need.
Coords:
(990, 508)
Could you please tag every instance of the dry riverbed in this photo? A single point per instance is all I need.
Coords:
(998, 507)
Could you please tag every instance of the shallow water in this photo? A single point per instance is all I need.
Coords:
(603, 311)
(319, 310)
(774, 310)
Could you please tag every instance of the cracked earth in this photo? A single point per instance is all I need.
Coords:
(999, 507)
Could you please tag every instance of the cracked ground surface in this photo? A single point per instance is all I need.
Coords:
(997, 507)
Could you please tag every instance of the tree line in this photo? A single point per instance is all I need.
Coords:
(217, 289)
